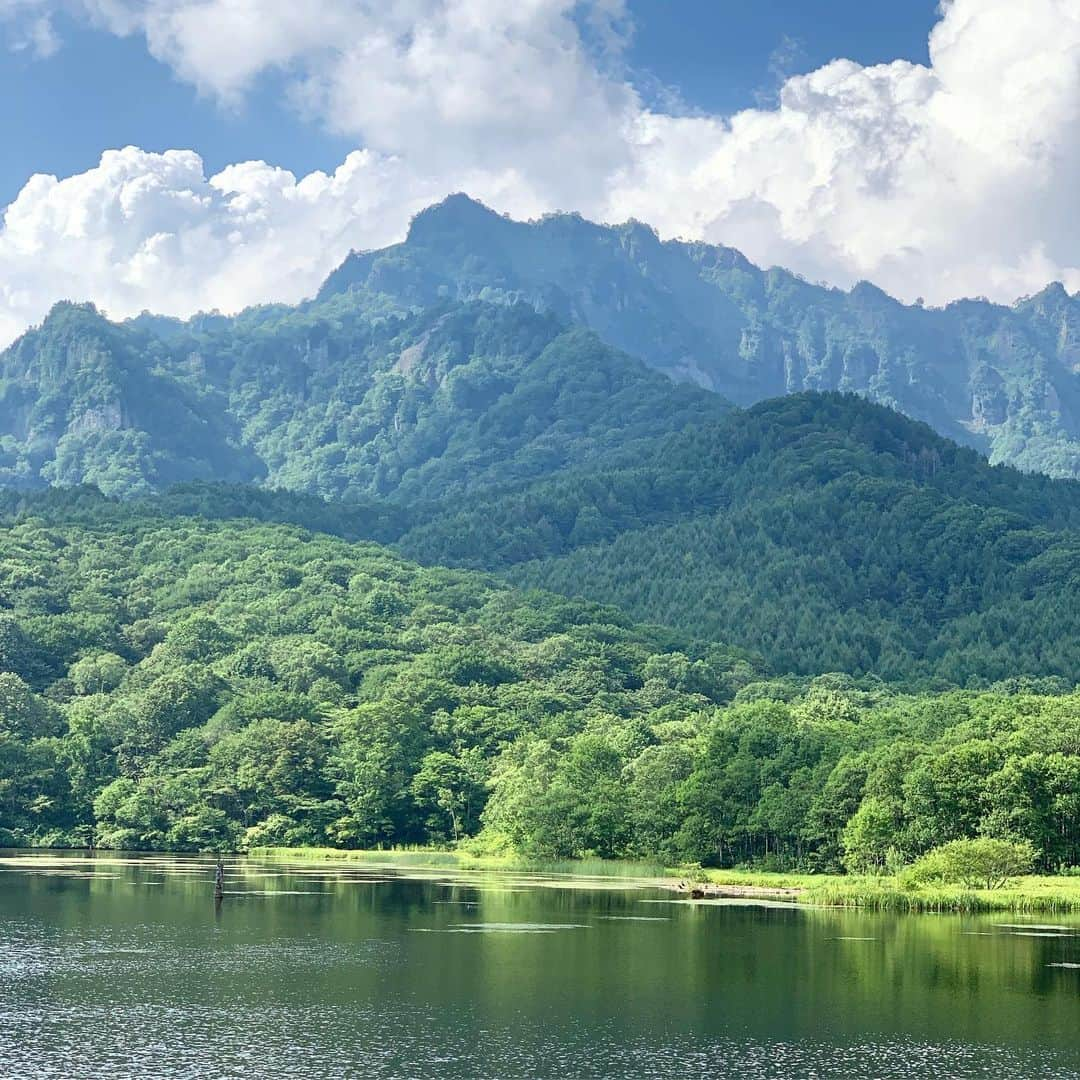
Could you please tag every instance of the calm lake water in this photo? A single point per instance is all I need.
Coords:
(123, 966)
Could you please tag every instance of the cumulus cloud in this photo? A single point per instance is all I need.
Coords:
(152, 231)
(531, 86)
(957, 178)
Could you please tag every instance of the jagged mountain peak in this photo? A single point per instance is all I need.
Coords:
(1003, 379)
(67, 316)
(456, 214)
(1055, 297)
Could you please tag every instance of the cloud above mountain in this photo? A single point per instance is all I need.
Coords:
(954, 179)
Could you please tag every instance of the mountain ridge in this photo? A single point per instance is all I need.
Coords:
(329, 399)
(818, 529)
(1003, 379)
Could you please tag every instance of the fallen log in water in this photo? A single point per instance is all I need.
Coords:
(698, 891)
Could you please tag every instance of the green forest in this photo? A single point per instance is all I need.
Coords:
(819, 531)
(429, 560)
(217, 685)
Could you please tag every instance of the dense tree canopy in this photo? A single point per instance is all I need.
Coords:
(189, 684)
(819, 532)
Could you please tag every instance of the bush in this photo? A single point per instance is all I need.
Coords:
(978, 864)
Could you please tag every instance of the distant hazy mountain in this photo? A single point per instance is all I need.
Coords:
(1003, 379)
(406, 348)
(329, 399)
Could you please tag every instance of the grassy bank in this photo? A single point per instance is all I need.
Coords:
(1026, 895)
(464, 860)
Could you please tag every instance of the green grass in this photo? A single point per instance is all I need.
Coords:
(415, 856)
(753, 879)
(464, 860)
(1024, 895)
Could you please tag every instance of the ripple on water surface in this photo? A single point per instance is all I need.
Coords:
(316, 1043)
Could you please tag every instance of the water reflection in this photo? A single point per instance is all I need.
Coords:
(126, 966)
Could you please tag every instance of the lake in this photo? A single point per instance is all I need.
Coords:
(123, 965)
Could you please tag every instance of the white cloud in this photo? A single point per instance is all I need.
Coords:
(27, 26)
(451, 85)
(953, 179)
(151, 231)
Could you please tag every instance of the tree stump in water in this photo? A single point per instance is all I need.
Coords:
(219, 880)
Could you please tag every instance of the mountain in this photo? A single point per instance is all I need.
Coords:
(1005, 380)
(328, 398)
(344, 573)
(216, 654)
(358, 391)
(820, 532)
(83, 400)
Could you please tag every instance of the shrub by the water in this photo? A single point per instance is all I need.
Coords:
(979, 864)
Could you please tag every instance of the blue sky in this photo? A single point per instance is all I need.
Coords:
(195, 154)
(100, 91)
(721, 53)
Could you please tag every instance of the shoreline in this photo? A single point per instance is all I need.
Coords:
(1029, 895)
(1058, 894)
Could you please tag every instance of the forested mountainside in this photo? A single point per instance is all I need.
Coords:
(184, 684)
(817, 532)
(1003, 379)
(459, 359)
(329, 399)
(480, 427)
(820, 531)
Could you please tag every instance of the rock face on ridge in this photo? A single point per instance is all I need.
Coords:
(444, 341)
(1003, 379)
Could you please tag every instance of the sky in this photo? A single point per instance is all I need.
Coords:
(177, 155)
(95, 90)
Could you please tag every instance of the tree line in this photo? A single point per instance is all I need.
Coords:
(193, 685)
